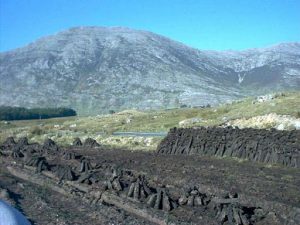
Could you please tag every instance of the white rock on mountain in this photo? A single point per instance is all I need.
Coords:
(272, 120)
(97, 69)
(189, 122)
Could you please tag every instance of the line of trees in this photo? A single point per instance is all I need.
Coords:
(20, 113)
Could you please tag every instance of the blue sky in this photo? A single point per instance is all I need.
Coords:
(204, 24)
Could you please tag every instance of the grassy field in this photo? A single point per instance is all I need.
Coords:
(101, 127)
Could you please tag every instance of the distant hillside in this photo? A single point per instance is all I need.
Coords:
(97, 69)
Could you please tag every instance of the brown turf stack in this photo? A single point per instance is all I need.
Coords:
(267, 146)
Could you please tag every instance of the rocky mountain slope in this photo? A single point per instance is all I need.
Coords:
(95, 69)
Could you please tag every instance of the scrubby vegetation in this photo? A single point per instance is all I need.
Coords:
(20, 113)
(102, 127)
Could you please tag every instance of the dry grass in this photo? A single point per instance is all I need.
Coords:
(101, 127)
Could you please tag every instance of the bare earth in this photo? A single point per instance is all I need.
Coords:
(93, 185)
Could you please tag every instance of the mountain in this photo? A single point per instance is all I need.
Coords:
(95, 69)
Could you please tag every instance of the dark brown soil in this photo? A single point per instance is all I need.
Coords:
(43, 206)
(182, 189)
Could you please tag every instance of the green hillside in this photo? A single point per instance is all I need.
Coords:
(101, 127)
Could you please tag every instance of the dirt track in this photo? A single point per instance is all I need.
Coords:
(183, 189)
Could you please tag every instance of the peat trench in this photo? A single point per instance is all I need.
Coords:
(72, 174)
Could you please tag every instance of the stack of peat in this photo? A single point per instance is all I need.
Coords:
(267, 146)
